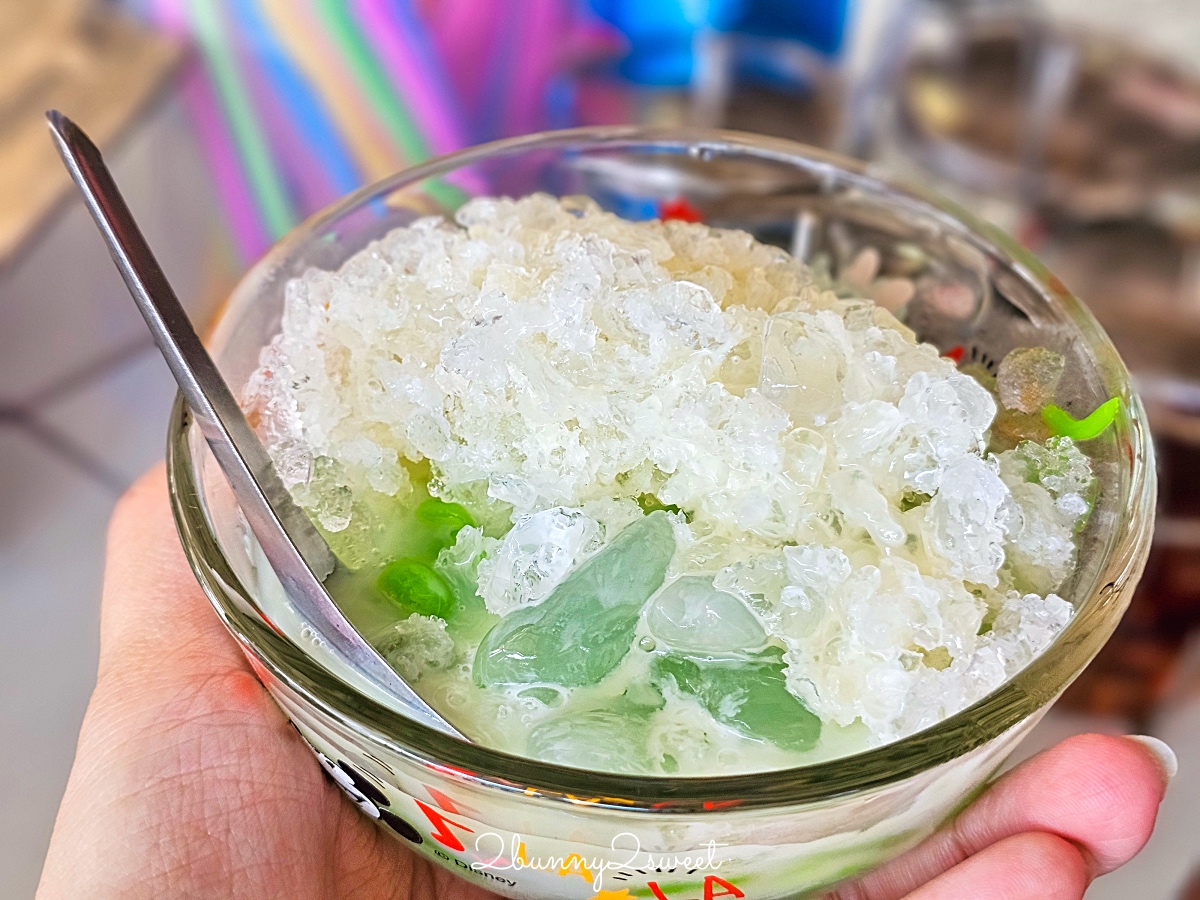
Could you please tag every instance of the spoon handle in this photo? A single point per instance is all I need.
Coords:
(289, 540)
(241, 455)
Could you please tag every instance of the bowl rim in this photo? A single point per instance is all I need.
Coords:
(1101, 603)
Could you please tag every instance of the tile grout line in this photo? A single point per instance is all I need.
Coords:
(23, 414)
(70, 452)
(80, 378)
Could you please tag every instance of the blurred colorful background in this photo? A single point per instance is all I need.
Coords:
(1074, 125)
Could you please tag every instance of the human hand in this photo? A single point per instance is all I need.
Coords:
(188, 781)
(1044, 831)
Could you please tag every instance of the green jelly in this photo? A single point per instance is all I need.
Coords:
(1063, 424)
(650, 503)
(439, 514)
(583, 630)
(612, 739)
(749, 694)
(416, 588)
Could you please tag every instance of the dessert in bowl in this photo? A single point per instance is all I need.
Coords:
(742, 568)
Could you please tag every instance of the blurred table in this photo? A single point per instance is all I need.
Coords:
(68, 55)
(1087, 149)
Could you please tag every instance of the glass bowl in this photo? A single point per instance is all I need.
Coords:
(525, 828)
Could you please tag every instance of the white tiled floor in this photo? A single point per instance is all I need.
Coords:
(1173, 855)
(51, 555)
(64, 307)
(129, 406)
(49, 600)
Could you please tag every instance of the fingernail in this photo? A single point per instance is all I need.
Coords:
(1162, 752)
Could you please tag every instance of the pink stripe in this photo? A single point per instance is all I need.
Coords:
(171, 15)
(464, 33)
(546, 26)
(428, 101)
(248, 230)
(305, 175)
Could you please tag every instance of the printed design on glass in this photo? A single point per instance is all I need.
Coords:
(370, 797)
(365, 794)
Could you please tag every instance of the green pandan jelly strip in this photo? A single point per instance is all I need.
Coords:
(436, 512)
(1063, 424)
(416, 588)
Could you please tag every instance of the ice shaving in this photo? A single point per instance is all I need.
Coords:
(654, 497)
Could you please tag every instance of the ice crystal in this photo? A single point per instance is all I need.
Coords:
(418, 644)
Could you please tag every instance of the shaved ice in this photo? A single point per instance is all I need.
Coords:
(681, 489)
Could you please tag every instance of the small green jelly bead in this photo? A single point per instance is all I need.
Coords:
(415, 587)
(435, 512)
(1063, 424)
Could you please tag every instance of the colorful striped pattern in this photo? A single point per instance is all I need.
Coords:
(298, 102)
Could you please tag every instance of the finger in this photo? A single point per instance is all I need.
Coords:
(1022, 867)
(1100, 793)
(154, 615)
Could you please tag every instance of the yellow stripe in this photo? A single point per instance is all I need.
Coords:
(311, 51)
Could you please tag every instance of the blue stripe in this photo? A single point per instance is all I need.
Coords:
(420, 42)
(302, 102)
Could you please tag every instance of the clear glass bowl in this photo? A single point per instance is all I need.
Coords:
(534, 829)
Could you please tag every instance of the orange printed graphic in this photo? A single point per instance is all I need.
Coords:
(443, 802)
(710, 882)
(622, 894)
(721, 804)
(574, 865)
(441, 827)
(728, 890)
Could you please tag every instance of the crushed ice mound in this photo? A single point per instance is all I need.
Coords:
(535, 555)
(557, 367)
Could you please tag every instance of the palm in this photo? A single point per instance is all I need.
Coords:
(195, 784)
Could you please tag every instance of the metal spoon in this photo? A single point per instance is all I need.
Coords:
(290, 542)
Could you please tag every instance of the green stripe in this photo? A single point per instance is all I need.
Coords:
(268, 190)
(373, 78)
(1063, 424)
(378, 88)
